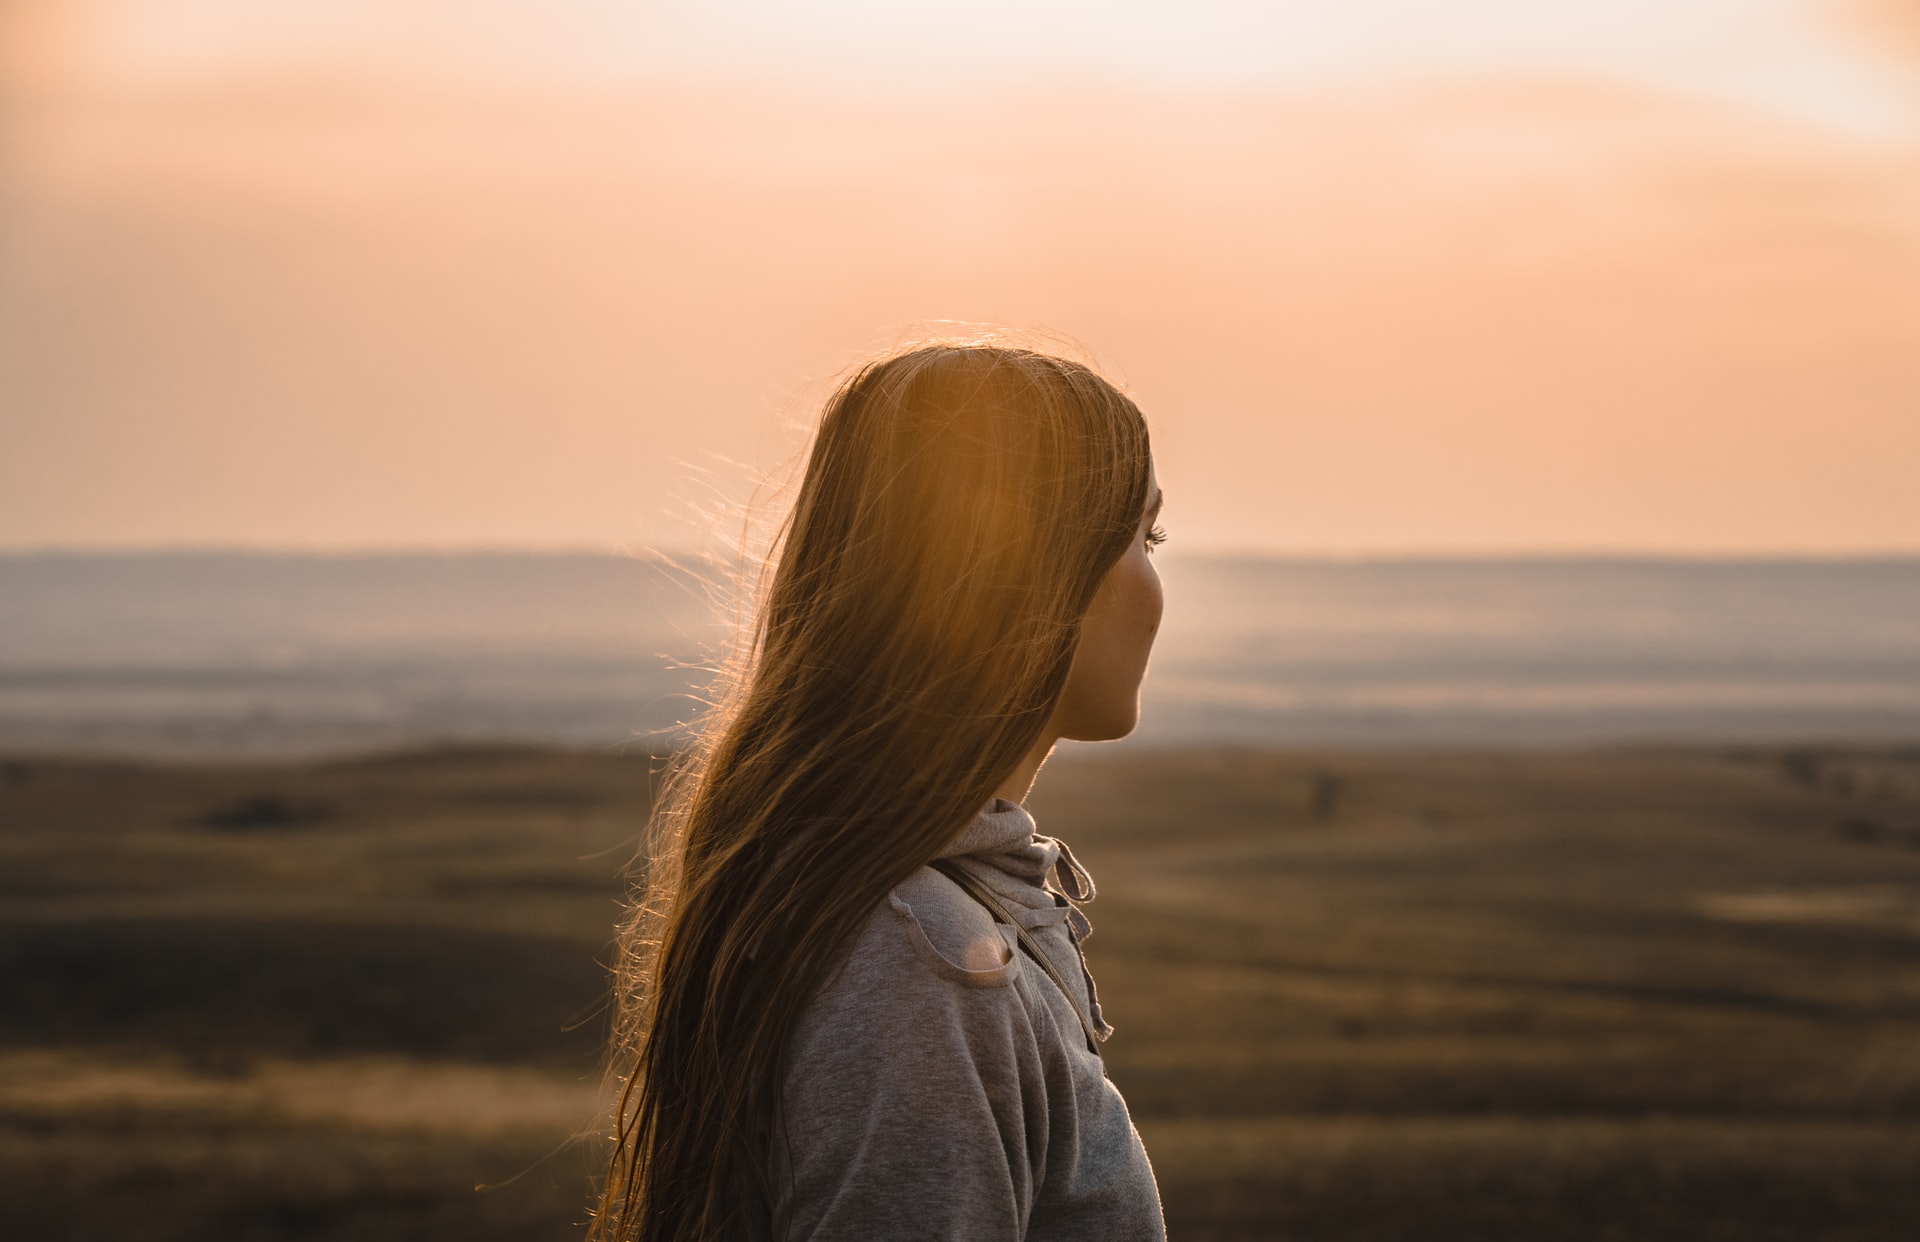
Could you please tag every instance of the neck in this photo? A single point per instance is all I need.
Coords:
(1017, 786)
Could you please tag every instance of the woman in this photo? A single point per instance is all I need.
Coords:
(852, 1006)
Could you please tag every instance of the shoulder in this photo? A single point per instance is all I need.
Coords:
(929, 928)
(916, 1098)
(927, 977)
(938, 916)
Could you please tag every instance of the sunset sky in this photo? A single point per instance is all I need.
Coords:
(1386, 275)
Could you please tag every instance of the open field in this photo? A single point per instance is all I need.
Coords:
(1607, 995)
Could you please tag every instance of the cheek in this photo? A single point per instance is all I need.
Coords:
(1120, 628)
(1145, 601)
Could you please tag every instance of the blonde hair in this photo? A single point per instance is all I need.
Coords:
(960, 507)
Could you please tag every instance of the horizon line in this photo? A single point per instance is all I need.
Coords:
(1224, 552)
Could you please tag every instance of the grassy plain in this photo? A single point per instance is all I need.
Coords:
(1361, 996)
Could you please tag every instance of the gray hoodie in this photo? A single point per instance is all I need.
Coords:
(941, 1084)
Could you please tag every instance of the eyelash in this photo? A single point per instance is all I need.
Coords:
(1156, 537)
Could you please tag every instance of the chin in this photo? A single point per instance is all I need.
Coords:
(1110, 728)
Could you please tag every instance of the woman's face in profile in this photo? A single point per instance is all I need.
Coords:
(1101, 701)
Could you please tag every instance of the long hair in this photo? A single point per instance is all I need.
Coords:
(960, 507)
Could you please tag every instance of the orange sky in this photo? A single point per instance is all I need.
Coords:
(1642, 277)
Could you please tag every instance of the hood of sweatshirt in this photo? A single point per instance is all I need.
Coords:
(1038, 879)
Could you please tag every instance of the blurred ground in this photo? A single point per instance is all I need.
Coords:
(1627, 994)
